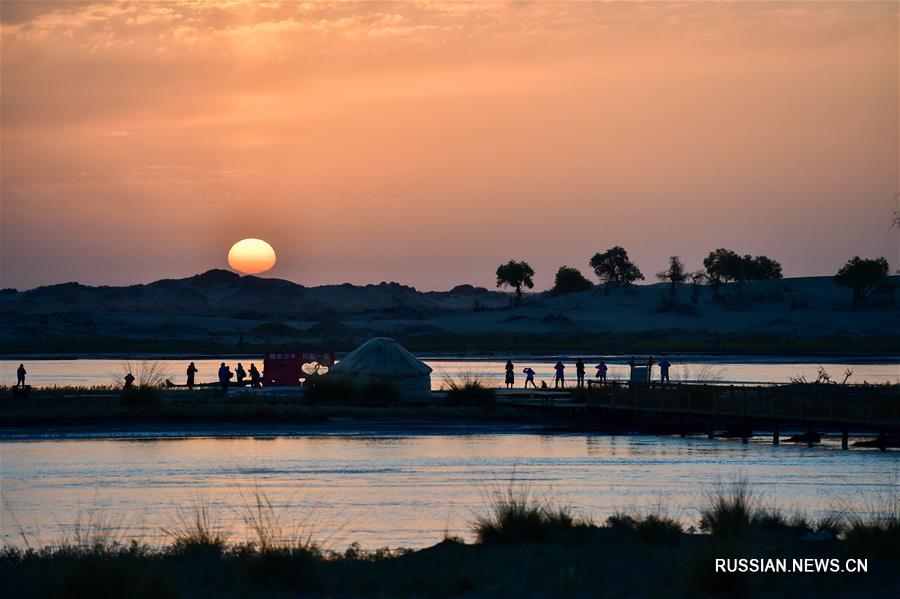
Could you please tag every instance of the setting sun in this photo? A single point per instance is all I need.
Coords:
(251, 256)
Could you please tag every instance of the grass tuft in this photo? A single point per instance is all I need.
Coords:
(514, 515)
(195, 531)
(730, 512)
(876, 534)
(469, 390)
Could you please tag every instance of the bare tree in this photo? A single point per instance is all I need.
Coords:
(675, 275)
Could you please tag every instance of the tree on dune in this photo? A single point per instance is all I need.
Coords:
(675, 275)
(697, 278)
(865, 277)
(570, 280)
(615, 269)
(515, 274)
(724, 266)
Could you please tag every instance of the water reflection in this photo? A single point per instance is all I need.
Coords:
(407, 489)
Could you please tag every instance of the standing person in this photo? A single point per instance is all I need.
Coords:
(601, 371)
(529, 377)
(510, 374)
(560, 378)
(664, 365)
(241, 374)
(579, 371)
(129, 381)
(254, 376)
(224, 376)
(20, 376)
(191, 371)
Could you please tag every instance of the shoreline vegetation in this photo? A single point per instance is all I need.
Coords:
(524, 545)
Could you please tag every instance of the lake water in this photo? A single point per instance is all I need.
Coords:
(722, 369)
(398, 487)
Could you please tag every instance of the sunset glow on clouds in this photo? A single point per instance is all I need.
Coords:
(428, 142)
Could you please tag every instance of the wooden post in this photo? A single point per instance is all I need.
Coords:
(743, 402)
(775, 439)
(845, 434)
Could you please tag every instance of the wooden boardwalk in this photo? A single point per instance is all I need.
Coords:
(738, 410)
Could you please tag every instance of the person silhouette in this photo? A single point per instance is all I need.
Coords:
(224, 376)
(664, 365)
(601, 371)
(129, 381)
(560, 378)
(20, 376)
(510, 374)
(191, 371)
(529, 377)
(579, 372)
(241, 374)
(254, 376)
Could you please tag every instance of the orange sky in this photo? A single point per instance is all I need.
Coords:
(427, 142)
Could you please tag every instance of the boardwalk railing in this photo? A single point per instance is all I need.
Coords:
(869, 405)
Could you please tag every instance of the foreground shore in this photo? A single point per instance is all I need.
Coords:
(523, 547)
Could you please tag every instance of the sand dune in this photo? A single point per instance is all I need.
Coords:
(216, 309)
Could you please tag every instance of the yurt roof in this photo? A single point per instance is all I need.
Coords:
(382, 356)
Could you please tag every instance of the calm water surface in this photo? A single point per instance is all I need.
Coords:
(401, 487)
(723, 369)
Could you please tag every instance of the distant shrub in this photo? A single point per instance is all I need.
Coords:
(570, 280)
(469, 390)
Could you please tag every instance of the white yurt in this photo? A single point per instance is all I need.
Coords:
(383, 360)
